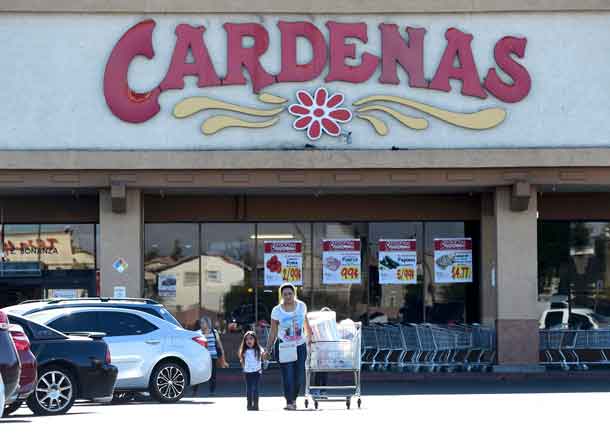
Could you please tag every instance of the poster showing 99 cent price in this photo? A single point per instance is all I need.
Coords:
(341, 261)
(397, 261)
(283, 262)
(453, 260)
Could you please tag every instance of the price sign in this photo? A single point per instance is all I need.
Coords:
(453, 260)
(283, 262)
(341, 261)
(291, 274)
(397, 261)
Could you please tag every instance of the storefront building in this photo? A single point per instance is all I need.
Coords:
(407, 162)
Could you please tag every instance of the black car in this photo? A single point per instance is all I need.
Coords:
(142, 304)
(69, 367)
(10, 369)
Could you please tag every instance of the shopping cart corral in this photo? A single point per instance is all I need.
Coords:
(428, 347)
(575, 349)
(340, 356)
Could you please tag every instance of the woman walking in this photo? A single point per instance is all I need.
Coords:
(216, 351)
(289, 325)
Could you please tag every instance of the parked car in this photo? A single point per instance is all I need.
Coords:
(152, 355)
(27, 382)
(10, 368)
(580, 319)
(145, 305)
(69, 367)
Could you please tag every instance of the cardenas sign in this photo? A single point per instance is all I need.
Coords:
(333, 58)
(220, 82)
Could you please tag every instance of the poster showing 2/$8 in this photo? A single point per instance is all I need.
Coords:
(341, 261)
(453, 260)
(283, 262)
(397, 261)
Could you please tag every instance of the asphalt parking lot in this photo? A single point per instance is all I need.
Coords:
(431, 408)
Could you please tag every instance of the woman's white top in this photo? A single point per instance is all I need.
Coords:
(252, 364)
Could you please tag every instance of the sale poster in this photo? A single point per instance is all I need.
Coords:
(397, 261)
(341, 261)
(453, 260)
(283, 262)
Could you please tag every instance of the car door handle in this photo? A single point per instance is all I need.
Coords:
(153, 342)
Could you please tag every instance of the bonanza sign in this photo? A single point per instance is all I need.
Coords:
(333, 58)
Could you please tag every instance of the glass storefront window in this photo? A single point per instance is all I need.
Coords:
(573, 274)
(395, 302)
(171, 268)
(227, 274)
(268, 295)
(225, 279)
(57, 246)
(67, 246)
(347, 300)
(445, 302)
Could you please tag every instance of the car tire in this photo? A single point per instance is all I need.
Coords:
(12, 408)
(55, 393)
(168, 382)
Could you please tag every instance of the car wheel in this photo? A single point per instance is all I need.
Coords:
(168, 382)
(10, 409)
(55, 392)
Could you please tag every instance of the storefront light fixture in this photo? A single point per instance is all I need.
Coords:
(272, 236)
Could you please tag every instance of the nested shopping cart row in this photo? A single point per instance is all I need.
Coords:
(575, 349)
(428, 347)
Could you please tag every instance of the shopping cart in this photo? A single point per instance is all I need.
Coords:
(342, 356)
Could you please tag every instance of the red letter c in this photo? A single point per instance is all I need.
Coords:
(125, 103)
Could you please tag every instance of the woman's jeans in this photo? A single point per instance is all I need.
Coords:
(293, 375)
(252, 380)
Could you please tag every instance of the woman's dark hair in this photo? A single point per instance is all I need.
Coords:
(243, 347)
(288, 286)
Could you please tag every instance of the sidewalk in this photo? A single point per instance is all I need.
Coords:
(230, 383)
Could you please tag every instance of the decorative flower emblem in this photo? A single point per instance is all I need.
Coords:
(319, 113)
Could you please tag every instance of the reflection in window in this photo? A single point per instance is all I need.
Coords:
(283, 231)
(574, 273)
(171, 268)
(395, 302)
(228, 287)
(57, 246)
(348, 300)
(443, 303)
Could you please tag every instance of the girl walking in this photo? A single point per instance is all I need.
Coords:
(250, 353)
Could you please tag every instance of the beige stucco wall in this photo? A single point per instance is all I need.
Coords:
(517, 257)
(296, 6)
(121, 236)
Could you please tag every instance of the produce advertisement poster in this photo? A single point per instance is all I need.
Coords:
(167, 285)
(341, 261)
(453, 260)
(397, 261)
(283, 262)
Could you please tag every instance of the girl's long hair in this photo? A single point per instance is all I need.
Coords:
(243, 347)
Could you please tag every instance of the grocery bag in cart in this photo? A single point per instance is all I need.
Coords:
(323, 325)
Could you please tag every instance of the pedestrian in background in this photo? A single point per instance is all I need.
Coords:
(215, 349)
(250, 355)
(289, 325)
